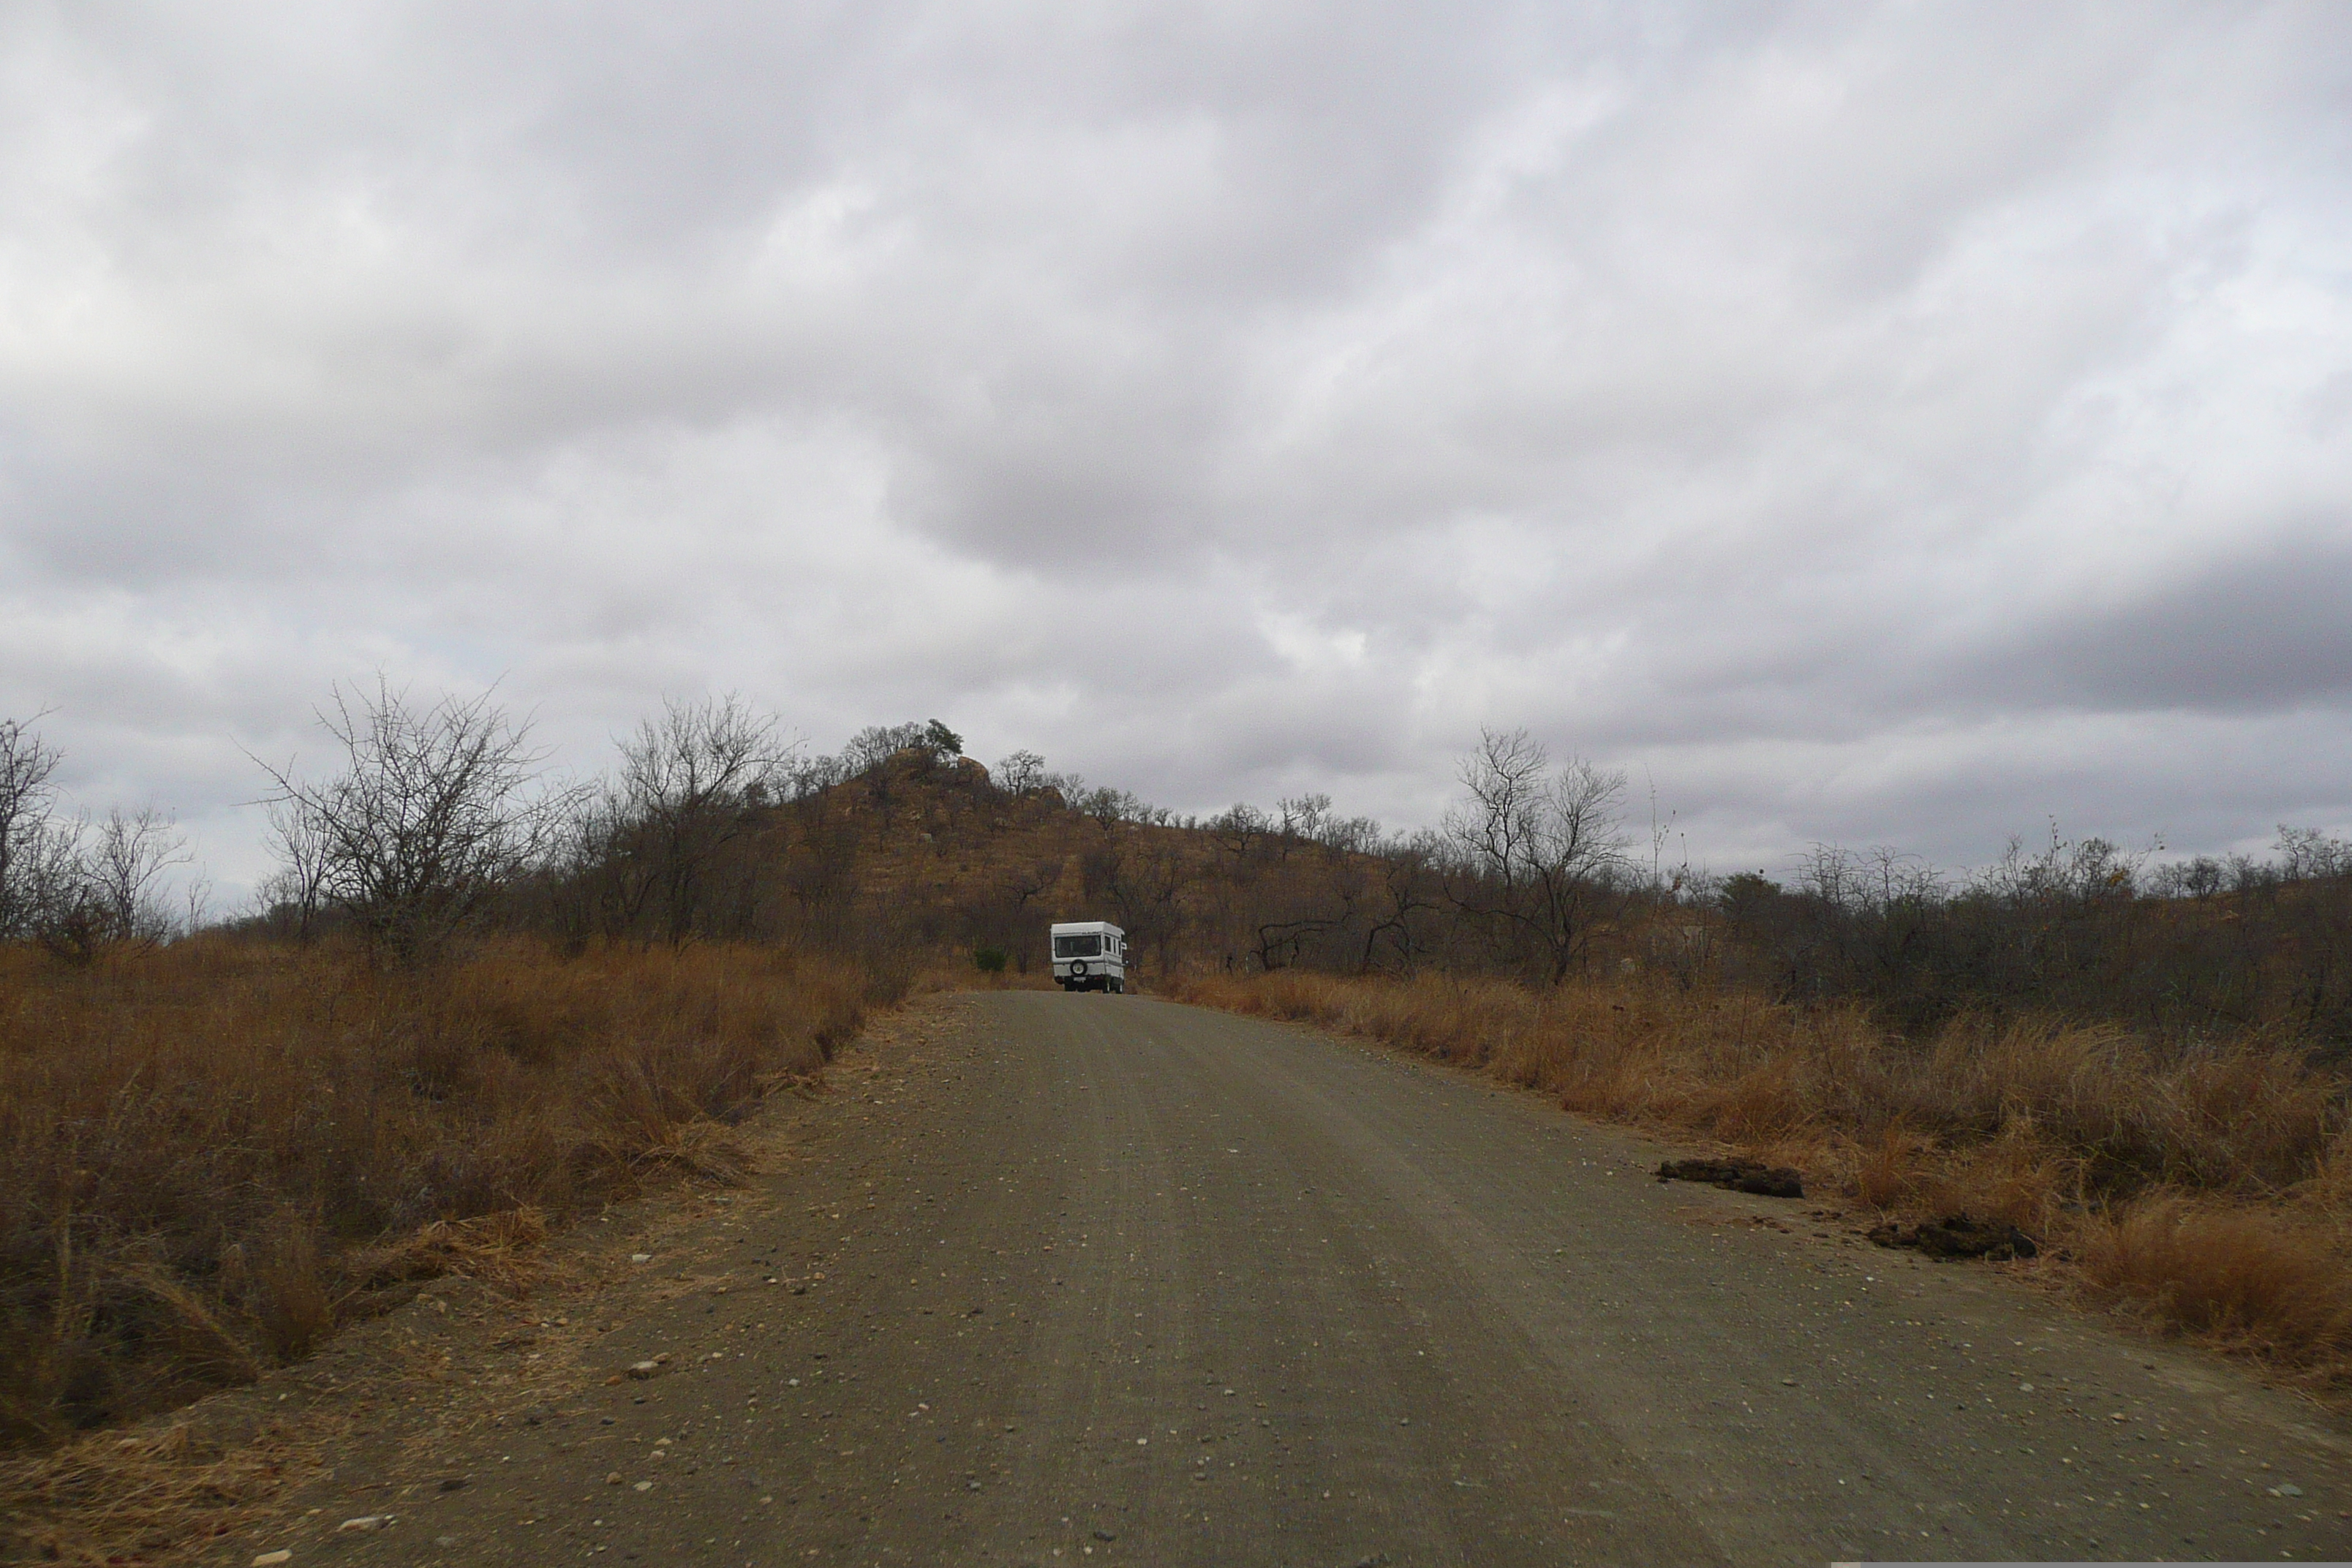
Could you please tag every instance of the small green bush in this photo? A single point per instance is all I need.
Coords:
(988, 960)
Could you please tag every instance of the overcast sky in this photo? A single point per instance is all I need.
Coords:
(1891, 424)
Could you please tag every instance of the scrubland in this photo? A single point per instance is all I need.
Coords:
(418, 1053)
(212, 1153)
(2207, 1188)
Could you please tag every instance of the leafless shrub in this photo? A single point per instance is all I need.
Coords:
(291, 896)
(127, 862)
(1070, 786)
(435, 811)
(1301, 816)
(2079, 871)
(2200, 878)
(1110, 807)
(75, 887)
(1020, 773)
(2306, 855)
(28, 800)
(1539, 851)
(1239, 830)
(100, 888)
(690, 784)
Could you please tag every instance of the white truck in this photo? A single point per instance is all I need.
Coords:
(1090, 955)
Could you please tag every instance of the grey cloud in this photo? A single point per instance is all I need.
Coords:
(2267, 633)
(1842, 412)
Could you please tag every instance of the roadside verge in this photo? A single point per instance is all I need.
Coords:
(2206, 1193)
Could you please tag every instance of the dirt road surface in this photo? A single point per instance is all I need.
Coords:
(1091, 1279)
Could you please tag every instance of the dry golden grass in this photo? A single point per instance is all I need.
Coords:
(102, 1498)
(212, 1153)
(2270, 1282)
(2211, 1188)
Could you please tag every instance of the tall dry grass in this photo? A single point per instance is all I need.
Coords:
(2209, 1188)
(213, 1153)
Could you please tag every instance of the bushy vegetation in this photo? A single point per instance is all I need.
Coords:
(1532, 879)
(470, 1005)
(2191, 951)
(216, 1149)
(74, 886)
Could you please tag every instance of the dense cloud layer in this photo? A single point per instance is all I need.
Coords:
(1900, 424)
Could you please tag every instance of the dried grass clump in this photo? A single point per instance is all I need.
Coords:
(2272, 1283)
(104, 1499)
(2081, 1134)
(212, 1153)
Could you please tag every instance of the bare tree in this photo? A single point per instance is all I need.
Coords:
(293, 891)
(88, 888)
(61, 907)
(1070, 786)
(1408, 888)
(197, 901)
(1239, 830)
(2201, 878)
(1110, 806)
(809, 777)
(820, 875)
(2068, 872)
(1348, 835)
(2306, 854)
(690, 787)
(1541, 850)
(1300, 817)
(127, 859)
(26, 800)
(75, 888)
(1145, 884)
(1021, 772)
(434, 812)
(1033, 878)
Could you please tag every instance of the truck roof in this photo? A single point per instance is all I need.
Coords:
(1083, 928)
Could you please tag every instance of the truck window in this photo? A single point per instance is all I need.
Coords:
(1077, 947)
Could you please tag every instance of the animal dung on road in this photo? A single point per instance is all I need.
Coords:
(1738, 1175)
(1957, 1236)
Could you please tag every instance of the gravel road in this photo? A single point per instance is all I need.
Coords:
(1064, 1279)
